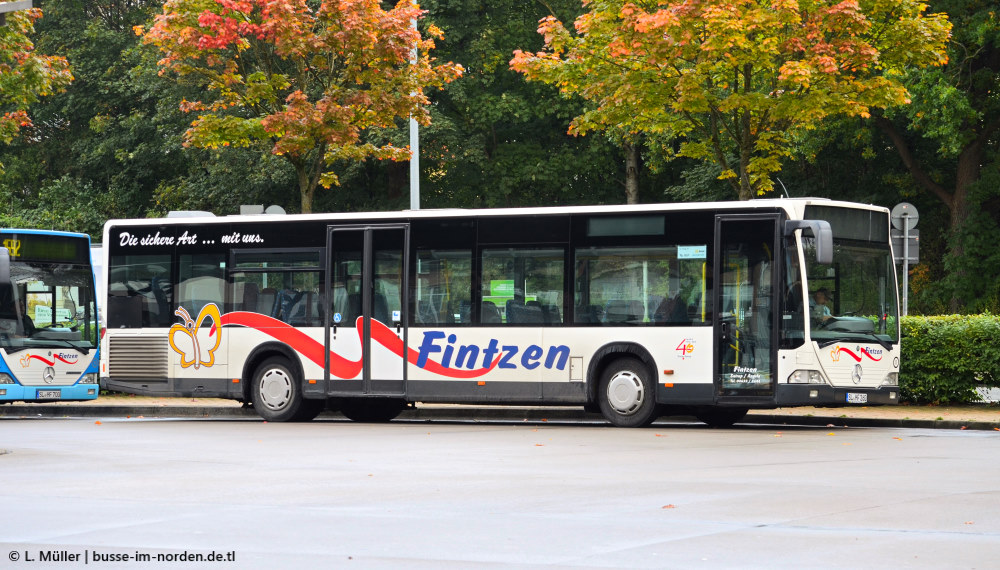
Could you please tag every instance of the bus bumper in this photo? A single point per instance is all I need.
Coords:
(17, 392)
(822, 395)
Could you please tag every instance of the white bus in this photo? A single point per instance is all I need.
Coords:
(705, 309)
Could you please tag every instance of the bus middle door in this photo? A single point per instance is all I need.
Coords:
(366, 325)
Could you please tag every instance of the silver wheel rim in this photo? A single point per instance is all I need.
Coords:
(275, 389)
(626, 392)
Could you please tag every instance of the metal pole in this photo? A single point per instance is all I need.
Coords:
(414, 164)
(906, 264)
(414, 144)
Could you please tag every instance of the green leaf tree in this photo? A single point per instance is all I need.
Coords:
(25, 75)
(498, 140)
(734, 82)
(309, 77)
(947, 140)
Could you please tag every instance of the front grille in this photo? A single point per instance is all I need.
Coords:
(138, 357)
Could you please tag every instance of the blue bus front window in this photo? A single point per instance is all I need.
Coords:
(48, 305)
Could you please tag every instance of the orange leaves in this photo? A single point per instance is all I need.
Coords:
(307, 77)
(26, 75)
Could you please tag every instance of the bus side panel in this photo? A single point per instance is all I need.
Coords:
(550, 365)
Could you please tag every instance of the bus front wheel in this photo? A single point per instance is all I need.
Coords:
(627, 394)
(277, 393)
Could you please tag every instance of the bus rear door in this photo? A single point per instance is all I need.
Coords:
(366, 326)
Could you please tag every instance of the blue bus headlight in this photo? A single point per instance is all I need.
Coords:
(6, 379)
(90, 378)
(807, 377)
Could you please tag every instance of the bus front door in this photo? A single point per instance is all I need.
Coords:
(745, 319)
(366, 325)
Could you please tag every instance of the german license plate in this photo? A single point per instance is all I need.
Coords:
(48, 394)
(854, 398)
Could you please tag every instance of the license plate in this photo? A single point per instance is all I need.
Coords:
(46, 394)
(853, 398)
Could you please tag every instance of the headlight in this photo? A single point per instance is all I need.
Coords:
(90, 378)
(6, 379)
(807, 377)
(891, 379)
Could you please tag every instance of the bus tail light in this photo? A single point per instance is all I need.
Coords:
(807, 377)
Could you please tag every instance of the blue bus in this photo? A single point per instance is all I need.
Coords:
(49, 326)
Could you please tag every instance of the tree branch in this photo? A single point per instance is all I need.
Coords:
(911, 163)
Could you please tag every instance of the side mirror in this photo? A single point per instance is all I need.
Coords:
(820, 229)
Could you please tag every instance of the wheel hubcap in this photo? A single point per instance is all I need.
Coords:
(625, 392)
(275, 389)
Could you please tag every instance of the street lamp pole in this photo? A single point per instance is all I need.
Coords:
(414, 143)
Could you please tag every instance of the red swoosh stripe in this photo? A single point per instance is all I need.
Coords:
(851, 354)
(857, 358)
(43, 359)
(340, 366)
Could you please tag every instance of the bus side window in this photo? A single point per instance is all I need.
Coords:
(442, 290)
(628, 286)
(526, 285)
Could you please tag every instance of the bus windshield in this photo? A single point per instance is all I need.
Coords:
(48, 305)
(854, 298)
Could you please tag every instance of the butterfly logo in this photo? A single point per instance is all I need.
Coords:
(191, 348)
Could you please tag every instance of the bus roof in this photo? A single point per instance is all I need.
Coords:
(794, 207)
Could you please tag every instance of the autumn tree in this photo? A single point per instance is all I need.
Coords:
(734, 81)
(25, 75)
(306, 78)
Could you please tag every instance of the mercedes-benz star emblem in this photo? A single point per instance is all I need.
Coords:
(856, 375)
(49, 375)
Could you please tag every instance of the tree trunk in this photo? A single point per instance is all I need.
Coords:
(306, 189)
(631, 173)
(967, 172)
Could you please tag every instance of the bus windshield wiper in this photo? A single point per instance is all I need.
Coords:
(83, 349)
(886, 344)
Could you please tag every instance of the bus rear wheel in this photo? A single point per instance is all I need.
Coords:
(626, 394)
(720, 417)
(276, 393)
(371, 410)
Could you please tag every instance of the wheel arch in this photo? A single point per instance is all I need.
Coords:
(261, 353)
(607, 354)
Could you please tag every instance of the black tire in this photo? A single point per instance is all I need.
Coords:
(626, 394)
(310, 409)
(371, 410)
(719, 417)
(276, 392)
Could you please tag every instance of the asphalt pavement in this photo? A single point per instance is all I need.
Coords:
(972, 417)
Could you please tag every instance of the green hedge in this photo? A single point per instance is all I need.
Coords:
(946, 358)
